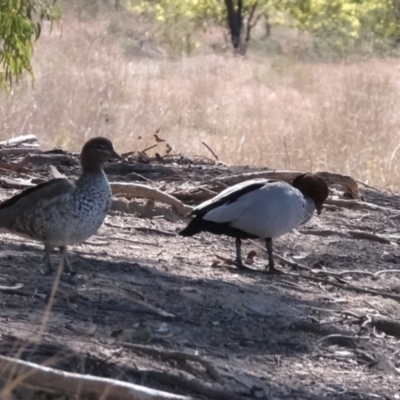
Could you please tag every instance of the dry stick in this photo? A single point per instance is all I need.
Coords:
(175, 355)
(46, 378)
(138, 190)
(14, 184)
(378, 189)
(369, 236)
(322, 232)
(358, 205)
(18, 151)
(91, 243)
(141, 304)
(149, 148)
(345, 337)
(344, 273)
(210, 150)
(346, 181)
(386, 271)
(31, 139)
(357, 272)
(350, 287)
(11, 289)
(355, 234)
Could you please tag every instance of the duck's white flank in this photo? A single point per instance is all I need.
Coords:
(269, 211)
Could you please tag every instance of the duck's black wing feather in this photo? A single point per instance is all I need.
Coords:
(229, 195)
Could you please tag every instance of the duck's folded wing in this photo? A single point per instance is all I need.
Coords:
(229, 212)
(229, 195)
(31, 198)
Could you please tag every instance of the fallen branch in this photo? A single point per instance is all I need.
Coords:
(358, 205)
(348, 287)
(46, 378)
(16, 289)
(15, 184)
(19, 151)
(349, 184)
(140, 305)
(342, 340)
(137, 190)
(369, 236)
(355, 234)
(24, 139)
(53, 158)
(11, 289)
(322, 232)
(175, 355)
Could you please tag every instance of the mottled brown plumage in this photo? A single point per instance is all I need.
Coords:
(62, 212)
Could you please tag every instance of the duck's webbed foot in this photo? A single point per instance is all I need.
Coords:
(67, 266)
(270, 269)
(238, 262)
(243, 267)
(47, 260)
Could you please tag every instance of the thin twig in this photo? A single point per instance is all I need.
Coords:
(149, 148)
(342, 337)
(210, 150)
(153, 230)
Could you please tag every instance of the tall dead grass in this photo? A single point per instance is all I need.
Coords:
(268, 111)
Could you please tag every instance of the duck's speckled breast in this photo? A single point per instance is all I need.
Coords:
(79, 215)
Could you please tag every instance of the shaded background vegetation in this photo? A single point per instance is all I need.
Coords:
(317, 85)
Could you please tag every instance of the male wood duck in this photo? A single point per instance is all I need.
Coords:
(259, 208)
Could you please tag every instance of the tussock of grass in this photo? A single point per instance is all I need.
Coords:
(269, 111)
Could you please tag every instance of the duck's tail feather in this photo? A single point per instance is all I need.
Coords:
(194, 227)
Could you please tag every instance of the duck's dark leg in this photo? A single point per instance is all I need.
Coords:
(239, 262)
(271, 264)
(47, 260)
(67, 265)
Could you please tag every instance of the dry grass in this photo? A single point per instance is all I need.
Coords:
(271, 111)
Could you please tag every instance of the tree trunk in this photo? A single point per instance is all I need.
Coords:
(235, 23)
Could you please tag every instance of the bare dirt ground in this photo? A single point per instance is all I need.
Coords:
(141, 293)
